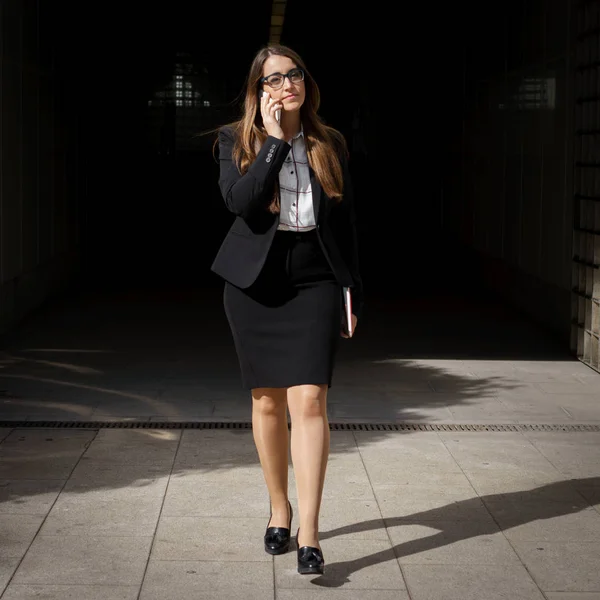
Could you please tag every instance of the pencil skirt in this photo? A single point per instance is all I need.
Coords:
(286, 325)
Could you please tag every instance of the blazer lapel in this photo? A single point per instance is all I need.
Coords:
(315, 186)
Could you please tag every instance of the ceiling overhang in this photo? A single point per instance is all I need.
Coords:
(277, 17)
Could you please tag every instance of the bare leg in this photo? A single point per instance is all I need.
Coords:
(310, 451)
(270, 431)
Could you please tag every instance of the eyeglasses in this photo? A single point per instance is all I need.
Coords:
(275, 80)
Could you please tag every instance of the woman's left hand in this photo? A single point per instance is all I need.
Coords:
(354, 321)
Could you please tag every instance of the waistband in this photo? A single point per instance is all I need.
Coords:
(283, 234)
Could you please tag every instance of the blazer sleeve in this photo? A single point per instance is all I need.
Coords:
(350, 235)
(247, 194)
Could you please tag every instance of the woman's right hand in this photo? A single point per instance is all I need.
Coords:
(268, 107)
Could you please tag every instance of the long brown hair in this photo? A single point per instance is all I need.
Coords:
(323, 143)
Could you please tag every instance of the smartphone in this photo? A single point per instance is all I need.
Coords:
(347, 294)
(277, 112)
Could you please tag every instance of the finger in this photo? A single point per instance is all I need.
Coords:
(266, 108)
(264, 101)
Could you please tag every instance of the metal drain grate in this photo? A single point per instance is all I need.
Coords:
(568, 427)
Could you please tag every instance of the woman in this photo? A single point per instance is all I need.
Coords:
(285, 259)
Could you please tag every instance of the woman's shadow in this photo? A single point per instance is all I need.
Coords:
(508, 510)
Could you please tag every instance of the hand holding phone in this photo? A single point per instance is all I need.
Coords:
(266, 108)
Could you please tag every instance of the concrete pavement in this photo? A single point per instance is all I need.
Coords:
(171, 514)
(140, 514)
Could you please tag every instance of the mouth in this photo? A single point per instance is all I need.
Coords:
(289, 97)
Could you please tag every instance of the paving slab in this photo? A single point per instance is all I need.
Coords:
(352, 482)
(197, 538)
(89, 560)
(351, 518)
(491, 480)
(562, 566)
(496, 452)
(430, 503)
(134, 447)
(127, 511)
(7, 567)
(545, 520)
(573, 595)
(450, 543)
(42, 453)
(406, 451)
(207, 580)
(573, 457)
(208, 448)
(470, 582)
(28, 497)
(188, 499)
(329, 594)
(532, 411)
(92, 474)
(4, 432)
(17, 531)
(590, 491)
(70, 592)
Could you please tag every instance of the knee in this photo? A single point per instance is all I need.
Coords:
(267, 403)
(309, 402)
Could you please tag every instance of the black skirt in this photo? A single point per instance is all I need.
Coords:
(286, 325)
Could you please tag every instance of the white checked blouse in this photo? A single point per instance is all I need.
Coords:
(297, 212)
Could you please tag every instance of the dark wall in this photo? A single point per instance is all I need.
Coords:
(393, 87)
(398, 74)
(155, 218)
(514, 202)
(41, 188)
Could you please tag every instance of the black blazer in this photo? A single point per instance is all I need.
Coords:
(246, 245)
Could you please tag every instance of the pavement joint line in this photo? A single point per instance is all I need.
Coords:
(389, 538)
(162, 506)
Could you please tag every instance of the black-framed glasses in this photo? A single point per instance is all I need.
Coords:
(275, 80)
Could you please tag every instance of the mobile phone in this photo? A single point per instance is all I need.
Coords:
(277, 112)
(348, 309)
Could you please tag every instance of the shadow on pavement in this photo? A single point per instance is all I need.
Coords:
(507, 511)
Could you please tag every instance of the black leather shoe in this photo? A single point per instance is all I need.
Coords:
(277, 539)
(310, 559)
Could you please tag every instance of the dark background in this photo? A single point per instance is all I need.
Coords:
(464, 128)
(159, 220)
